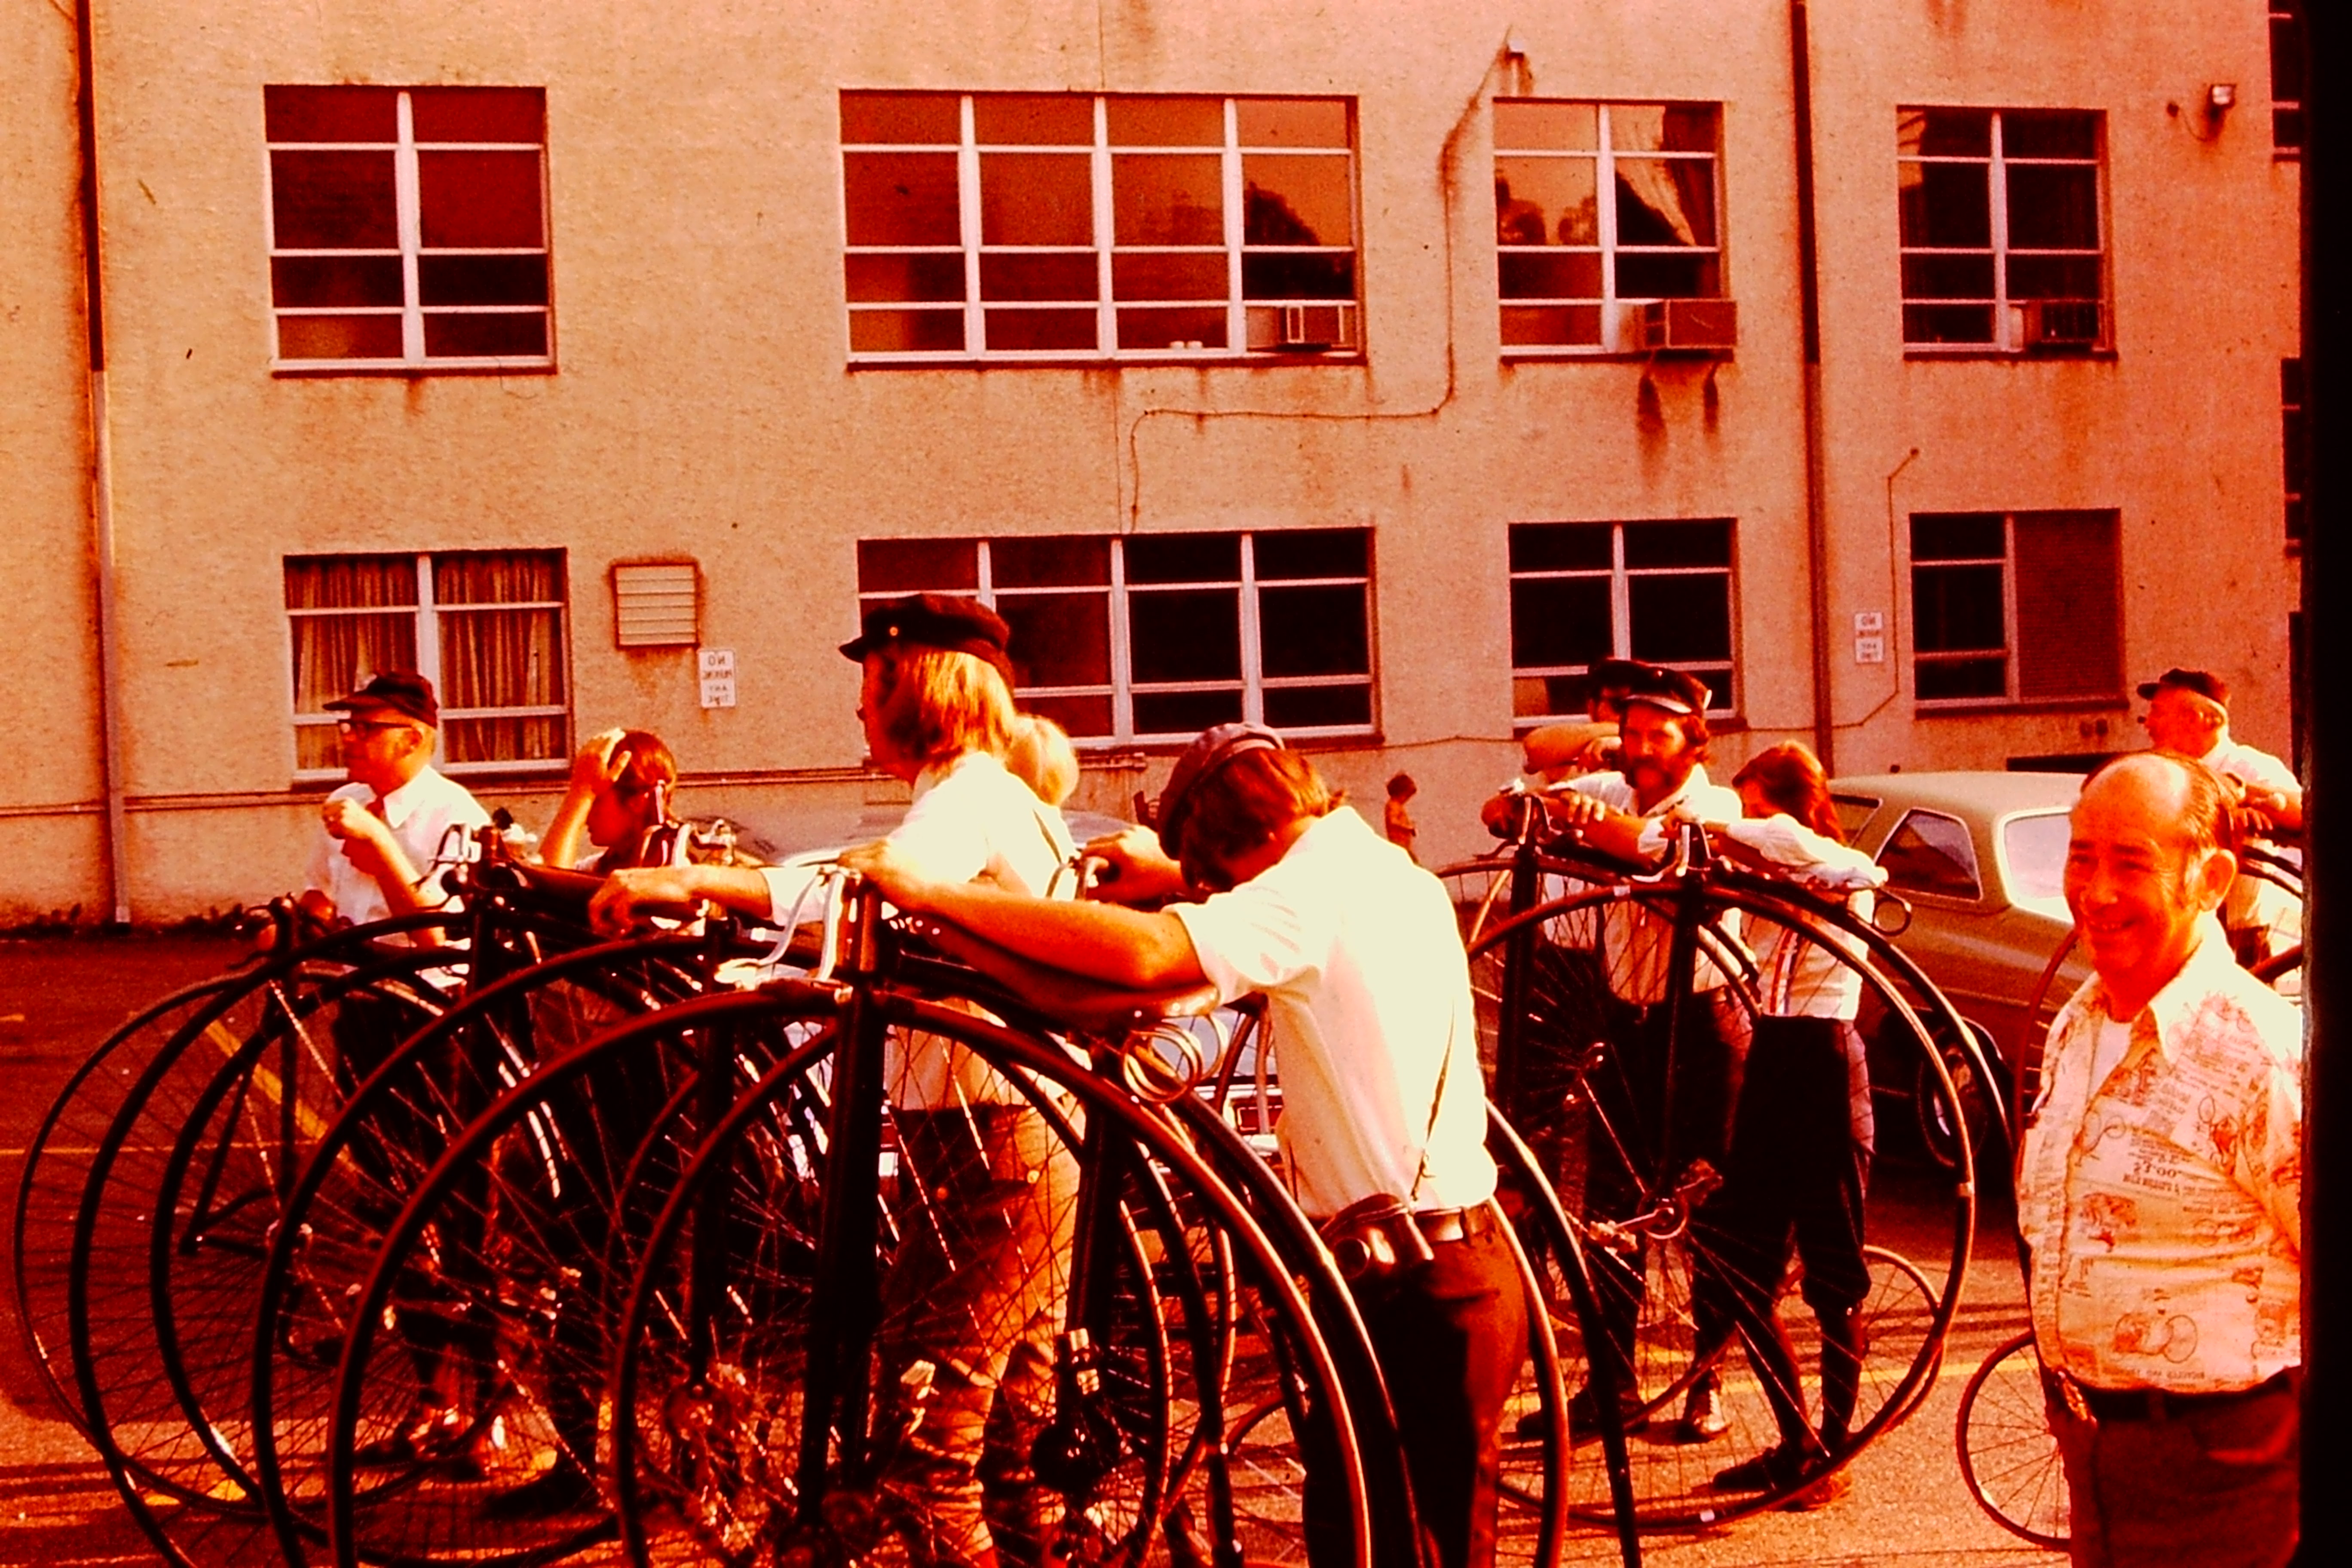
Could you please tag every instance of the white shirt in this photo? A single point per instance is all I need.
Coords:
(420, 814)
(1357, 950)
(1637, 941)
(969, 815)
(1799, 974)
(2248, 764)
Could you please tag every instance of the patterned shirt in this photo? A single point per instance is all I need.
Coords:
(2162, 1205)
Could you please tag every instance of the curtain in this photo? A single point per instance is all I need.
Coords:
(502, 658)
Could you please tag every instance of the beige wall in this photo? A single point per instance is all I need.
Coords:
(702, 406)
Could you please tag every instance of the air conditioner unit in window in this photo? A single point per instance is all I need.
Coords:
(2061, 323)
(1302, 329)
(1690, 326)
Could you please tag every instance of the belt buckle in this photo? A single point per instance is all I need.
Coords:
(2070, 1394)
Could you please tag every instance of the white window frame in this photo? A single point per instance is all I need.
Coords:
(1621, 317)
(1106, 306)
(1721, 677)
(2007, 562)
(2008, 315)
(428, 612)
(1123, 688)
(409, 208)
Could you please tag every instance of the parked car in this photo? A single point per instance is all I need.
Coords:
(1978, 858)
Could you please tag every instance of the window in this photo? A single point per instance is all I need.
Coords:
(408, 226)
(1012, 226)
(1575, 268)
(2295, 445)
(2286, 77)
(2015, 607)
(1931, 853)
(1157, 637)
(1586, 590)
(487, 628)
(2001, 229)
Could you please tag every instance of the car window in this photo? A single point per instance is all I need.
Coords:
(1853, 814)
(2035, 849)
(1931, 853)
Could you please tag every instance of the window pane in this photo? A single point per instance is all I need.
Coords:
(1039, 278)
(1956, 609)
(1312, 552)
(1083, 717)
(332, 201)
(1184, 558)
(1665, 201)
(1035, 118)
(350, 582)
(1059, 639)
(2053, 278)
(1295, 201)
(1190, 633)
(1296, 274)
(478, 114)
(1653, 277)
(1558, 620)
(1947, 323)
(1954, 680)
(1931, 854)
(2053, 207)
(1546, 201)
(2069, 620)
(335, 280)
(1957, 536)
(917, 567)
(1947, 205)
(339, 337)
(1318, 707)
(501, 658)
(1947, 277)
(470, 577)
(1184, 327)
(482, 280)
(1041, 330)
(336, 655)
(905, 331)
(1184, 712)
(479, 199)
(933, 118)
(1564, 325)
(1542, 696)
(901, 198)
(1677, 544)
(2049, 133)
(330, 113)
(1948, 132)
(910, 278)
(1679, 620)
(537, 739)
(1292, 121)
(500, 336)
(1036, 198)
(1167, 199)
(1067, 561)
(1662, 128)
(1160, 276)
(1559, 547)
(1574, 126)
(1141, 121)
(1313, 631)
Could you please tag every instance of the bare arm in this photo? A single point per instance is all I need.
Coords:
(593, 771)
(1598, 825)
(1145, 950)
(621, 904)
(372, 850)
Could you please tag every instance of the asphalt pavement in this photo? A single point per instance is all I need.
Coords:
(60, 997)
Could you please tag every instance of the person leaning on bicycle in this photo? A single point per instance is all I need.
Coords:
(1384, 1121)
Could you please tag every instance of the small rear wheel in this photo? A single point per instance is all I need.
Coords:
(2009, 1455)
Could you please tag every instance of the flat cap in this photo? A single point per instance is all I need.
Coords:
(944, 621)
(401, 691)
(1212, 749)
(2203, 682)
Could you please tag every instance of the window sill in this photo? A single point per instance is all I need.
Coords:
(1920, 352)
(1112, 754)
(1522, 355)
(2015, 709)
(1350, 357)
(311, 370)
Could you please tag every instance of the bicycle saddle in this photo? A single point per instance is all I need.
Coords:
(1088, 1005)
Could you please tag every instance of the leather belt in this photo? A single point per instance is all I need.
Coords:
(1439, 1226)
(2155, 1404)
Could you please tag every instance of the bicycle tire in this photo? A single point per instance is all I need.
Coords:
(2009, 1457)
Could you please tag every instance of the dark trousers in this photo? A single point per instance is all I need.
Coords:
(1449, 1340)
(1634, 1119)
(1793, 1178)
(2215, 1488)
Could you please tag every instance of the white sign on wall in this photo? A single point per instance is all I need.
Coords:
(716, 667)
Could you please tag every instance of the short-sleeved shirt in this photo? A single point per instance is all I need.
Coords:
(2161, 1199)
(420, 814)
(1798, 974)
(1357, 952)
(969, 816)
(1636, 941)
(2248, 764)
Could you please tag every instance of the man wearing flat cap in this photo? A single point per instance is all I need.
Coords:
(2188, 712)
(381, 832)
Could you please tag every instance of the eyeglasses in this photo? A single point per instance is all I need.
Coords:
(370, 726)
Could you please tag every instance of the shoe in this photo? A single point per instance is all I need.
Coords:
(428, 1434)
(1778, 1469)
(565, 1489)
(1703, 1419)
(1584, 1413)
(1822, 1493)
